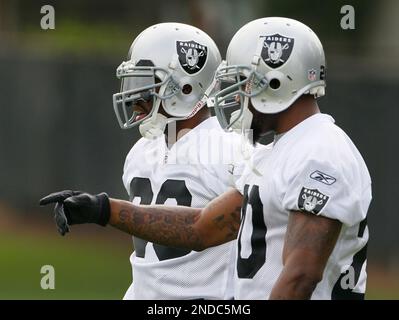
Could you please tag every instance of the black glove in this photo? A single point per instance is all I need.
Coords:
(75, 207)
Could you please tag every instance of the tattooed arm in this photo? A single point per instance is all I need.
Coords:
(183, 227)
(309, 242)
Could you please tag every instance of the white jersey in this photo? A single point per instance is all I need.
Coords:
(314, 167)
(201, 165)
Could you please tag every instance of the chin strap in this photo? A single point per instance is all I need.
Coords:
(243, 119)
(154, 126)
(242, 123)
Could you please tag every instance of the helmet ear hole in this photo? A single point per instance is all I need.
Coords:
(187, 89)
(274, 84)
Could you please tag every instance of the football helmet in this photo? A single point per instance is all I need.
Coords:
(270, 62)
(172, 64)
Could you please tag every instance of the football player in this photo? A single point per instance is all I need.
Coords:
(164, 88)
(303, 231)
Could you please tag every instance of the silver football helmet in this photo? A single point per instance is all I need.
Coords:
(172, 64)
(270, 62)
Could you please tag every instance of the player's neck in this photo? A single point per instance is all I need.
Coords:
(302, 109)
(176, 130)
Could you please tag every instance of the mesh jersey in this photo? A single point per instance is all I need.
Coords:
(200, 166)
(314, 167)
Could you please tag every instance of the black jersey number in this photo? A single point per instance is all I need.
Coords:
(141, 187)
(340, 293)
(248, 267)
(170, 189)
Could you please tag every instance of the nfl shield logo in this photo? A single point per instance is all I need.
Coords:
(312, 75)
(276, 50)
(192, 55)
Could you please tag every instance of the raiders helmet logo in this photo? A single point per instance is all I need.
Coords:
(312, 200)
(276, 50)
(192, 55)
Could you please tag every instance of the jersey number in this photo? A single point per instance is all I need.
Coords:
(248, 267)
(170, 189)
(339, 293)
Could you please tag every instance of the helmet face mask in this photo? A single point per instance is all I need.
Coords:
(140, 83)
(242, 82)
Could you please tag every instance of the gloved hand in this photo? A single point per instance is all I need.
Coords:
(76, 207)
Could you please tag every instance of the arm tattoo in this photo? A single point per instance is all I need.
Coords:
(229, 225)
(169, 226)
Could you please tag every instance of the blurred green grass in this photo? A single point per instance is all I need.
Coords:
(93, 263)
(380, 293)
(83, 270)
(382, 283)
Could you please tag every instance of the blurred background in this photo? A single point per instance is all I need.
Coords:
(58, 128)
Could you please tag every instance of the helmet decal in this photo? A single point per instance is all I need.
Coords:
(192, 55)
(312, 75)
(276, 50)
